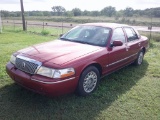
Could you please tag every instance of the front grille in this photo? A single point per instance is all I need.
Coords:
(27, 65)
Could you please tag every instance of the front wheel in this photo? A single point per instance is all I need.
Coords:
(88, 81)
(139, 59)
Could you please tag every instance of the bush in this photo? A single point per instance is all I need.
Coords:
(45, 32)
(116, 18)
(128, 21)
(133, 21)
(123, 20)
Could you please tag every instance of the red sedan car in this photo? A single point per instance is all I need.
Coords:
(78, 59)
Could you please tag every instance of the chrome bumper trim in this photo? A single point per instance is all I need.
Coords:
(65, 80)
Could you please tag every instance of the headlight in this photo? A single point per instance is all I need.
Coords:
(52, 73)
(44, 71)
(64, 73)
(13, 59)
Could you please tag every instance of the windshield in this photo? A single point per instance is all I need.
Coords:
(93, 35)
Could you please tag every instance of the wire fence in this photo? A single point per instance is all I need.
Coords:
(51, 28)
(57, 28)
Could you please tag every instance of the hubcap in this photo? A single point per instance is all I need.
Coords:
(90, 82)
(140, 58)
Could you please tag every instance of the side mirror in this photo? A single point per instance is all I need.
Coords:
(116, 43)
(60, 35)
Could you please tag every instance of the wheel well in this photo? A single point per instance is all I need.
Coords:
(98, 66)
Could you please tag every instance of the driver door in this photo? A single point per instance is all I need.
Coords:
(117, 54)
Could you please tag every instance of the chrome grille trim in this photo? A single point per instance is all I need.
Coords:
(27, 65)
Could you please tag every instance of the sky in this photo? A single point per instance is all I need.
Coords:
(45, 5)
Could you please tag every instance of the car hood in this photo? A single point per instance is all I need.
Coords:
(58, 51)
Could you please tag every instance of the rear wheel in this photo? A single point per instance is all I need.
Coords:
(88, 81)
(139, 59)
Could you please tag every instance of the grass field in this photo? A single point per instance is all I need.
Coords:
(128, 94)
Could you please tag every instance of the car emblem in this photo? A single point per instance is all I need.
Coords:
(23, 64)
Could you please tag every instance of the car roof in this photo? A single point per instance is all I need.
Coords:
(110, 25)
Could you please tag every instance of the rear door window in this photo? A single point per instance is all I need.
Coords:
(131, 34)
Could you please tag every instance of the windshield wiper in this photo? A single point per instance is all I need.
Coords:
(65, 39)
(81, 42)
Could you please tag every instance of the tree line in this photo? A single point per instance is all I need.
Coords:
(108, 11)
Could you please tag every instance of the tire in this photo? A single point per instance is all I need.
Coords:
(139, 59)
(88, 81)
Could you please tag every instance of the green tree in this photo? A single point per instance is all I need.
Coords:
(39, 13)
(69, 13)
(18, 14)
(95, 13)
(128, 12)
(76, 12)
(5, 13)
(108, 11)
(86, 13)
(12, 14)
(156, 12)
(58, 10)
(46, 13)
(34, 13)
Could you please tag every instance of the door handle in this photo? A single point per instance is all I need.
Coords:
(127, 47)
(139, 44)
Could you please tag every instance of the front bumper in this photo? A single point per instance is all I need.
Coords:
(40, 84)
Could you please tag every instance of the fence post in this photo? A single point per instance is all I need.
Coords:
(62, 27)
(26, 25)
(14, 24)
(43, 25)
(0, 23)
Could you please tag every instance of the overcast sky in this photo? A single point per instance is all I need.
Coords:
(14, 5)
